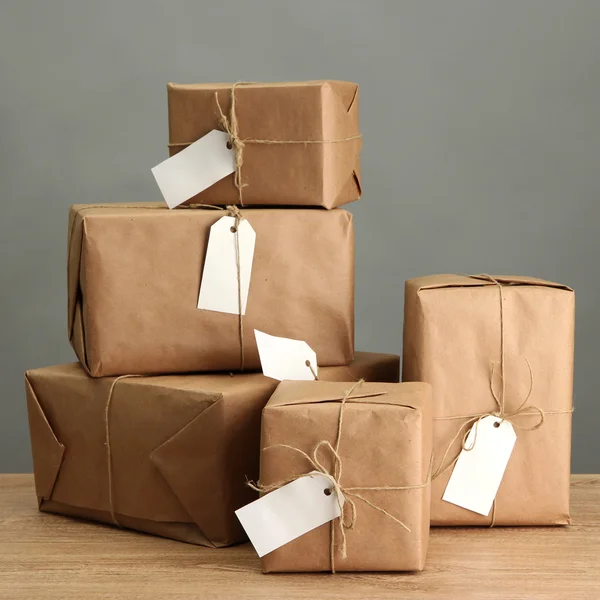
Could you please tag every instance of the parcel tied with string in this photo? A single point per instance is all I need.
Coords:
(296, 144)
(376, 445)
(500, 346)
(167, 455)
(135, 272)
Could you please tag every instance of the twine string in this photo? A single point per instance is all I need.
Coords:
(107, 443)
(236, 213)
(230, 126)
(312, 370)
(346, 496)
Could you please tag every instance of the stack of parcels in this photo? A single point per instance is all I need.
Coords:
(158, 427)
(174, 313)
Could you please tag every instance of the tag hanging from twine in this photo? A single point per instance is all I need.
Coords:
(349, 494)
(236, 213)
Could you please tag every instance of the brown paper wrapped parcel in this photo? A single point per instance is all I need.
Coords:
(456, 333)
(385, 442)
(134, 275)
(300, 142)
(181, 446)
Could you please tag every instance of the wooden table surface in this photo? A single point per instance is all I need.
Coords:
(46, 556)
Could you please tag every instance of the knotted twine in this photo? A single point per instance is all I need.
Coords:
(472, 421)
(231, 126)
(349, 494)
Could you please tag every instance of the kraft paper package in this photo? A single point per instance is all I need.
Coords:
(385, 442)
(300, 142)
(458, 332)
(134, 274)
(181, 446)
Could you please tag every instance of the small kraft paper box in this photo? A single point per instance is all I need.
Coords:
(295, 143)
(165, 455)
(500, 347)
(134, 274)
(374, 441)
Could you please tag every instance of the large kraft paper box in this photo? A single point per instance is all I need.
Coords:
(134, 275)
(181, 446)
(453, 339)
(300, 174)
(385, 442)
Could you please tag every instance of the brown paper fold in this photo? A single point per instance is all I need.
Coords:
(386, 441)
(47, 451)
(453, 340)
(134, 274)
(316, 174)
(182, 446)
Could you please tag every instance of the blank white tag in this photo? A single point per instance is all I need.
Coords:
(283, 358)
(289, 512)
(478, 472)
(195, 168)
(219, 286)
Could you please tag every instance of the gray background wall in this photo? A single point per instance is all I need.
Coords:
(481, 124)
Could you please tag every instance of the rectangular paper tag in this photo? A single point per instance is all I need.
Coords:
(478, 472)
(195, 168)
(289, 512)
(283, 358)
(219, 286)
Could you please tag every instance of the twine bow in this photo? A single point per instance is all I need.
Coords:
(500, 413)
(231, 126)
(346, 496)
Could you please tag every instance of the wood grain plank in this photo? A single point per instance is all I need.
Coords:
(49, 557)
